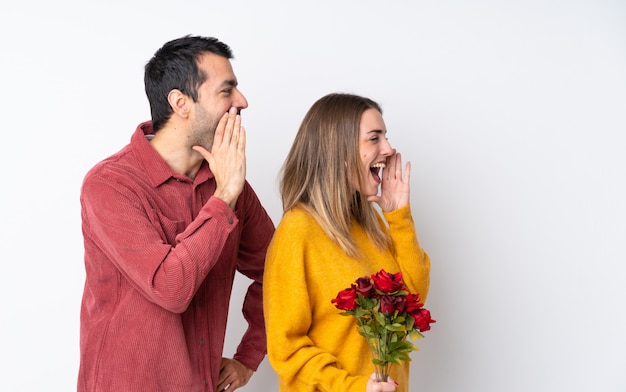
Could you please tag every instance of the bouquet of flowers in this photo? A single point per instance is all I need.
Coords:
(386, 314)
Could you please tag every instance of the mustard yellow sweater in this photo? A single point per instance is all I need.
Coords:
(310, 345)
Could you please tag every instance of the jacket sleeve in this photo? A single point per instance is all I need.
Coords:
(168, 271)
(257, 233)
(413, 260)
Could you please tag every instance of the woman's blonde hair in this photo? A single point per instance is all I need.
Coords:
(322, 166)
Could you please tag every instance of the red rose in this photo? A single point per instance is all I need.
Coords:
(346, 299)
(422, 319)
(386, 282)
(364, 286)
(413, 303)
(389, 304)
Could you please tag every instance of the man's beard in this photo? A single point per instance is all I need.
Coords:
(203, 129)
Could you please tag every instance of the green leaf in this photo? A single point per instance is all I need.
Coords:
(401, 346)
(367, 303)
(395, 327)
(379, 362)
(415, 334)
(380, 318)
(410, 323)
(404, 357)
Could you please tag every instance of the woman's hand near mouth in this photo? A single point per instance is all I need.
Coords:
(395, 187)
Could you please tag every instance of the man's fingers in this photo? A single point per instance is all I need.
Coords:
(219, 131)
(234, 119)
(233, 375)
(224, 130)
(241, 147)
(236, 131)
(230, 134)
(202, 151)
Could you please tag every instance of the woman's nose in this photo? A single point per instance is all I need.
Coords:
(387, 149)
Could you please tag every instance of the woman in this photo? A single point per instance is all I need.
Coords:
(330, 234)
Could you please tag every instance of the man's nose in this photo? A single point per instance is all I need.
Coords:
(240, 102)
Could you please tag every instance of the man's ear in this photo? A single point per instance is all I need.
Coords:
(179, 102)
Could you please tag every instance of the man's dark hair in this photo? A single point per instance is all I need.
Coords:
(175, 66)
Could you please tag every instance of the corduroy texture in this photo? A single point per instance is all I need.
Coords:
(160, 259)
(310, 345)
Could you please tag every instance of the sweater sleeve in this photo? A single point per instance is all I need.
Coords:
(299, 363)
(413, 260)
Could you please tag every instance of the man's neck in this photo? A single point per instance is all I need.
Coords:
(170, 144)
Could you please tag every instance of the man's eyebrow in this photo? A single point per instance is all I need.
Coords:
(229, 83)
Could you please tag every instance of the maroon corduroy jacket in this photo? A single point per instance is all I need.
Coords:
(160, 259)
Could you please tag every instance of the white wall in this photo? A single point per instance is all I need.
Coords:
(512, 113)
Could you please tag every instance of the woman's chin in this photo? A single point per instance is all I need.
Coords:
(370, 192)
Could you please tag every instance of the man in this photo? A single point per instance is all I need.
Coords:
(166, 223)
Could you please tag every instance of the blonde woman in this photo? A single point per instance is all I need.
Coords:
(330, 234)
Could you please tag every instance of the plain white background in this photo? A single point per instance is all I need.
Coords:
(512, 114)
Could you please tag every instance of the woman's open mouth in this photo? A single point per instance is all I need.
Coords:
(375, 170)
